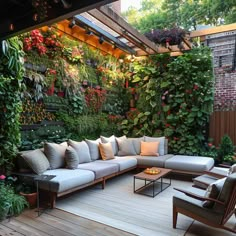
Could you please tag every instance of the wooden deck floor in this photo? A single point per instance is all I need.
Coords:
(55, 222)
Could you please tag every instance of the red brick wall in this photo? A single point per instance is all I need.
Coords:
(225, 89)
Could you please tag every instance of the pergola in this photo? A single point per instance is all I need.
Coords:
(87, 21)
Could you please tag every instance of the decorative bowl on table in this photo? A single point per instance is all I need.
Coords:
(152, 171)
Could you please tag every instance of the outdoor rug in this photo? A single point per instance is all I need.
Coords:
(119, 207)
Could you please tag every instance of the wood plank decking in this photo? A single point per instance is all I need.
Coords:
(55, 222)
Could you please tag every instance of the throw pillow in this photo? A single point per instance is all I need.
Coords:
(232, 169)
(126, 147)
(157, 139)
(106, 151)
(36, 160)
(213, 191)
(93, 148)
(82, 150)
(55, 154)
(149, 148)
(71, 158)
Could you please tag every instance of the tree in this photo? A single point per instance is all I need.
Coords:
(187, 14)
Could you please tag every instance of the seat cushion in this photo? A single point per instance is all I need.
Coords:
(66, 179)
(189, 163)
(153, 160)
(203, 181)
(123, 163)
(100, 169)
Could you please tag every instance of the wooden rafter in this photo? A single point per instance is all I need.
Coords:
(128, 28)
(111, 24)
(214, 30)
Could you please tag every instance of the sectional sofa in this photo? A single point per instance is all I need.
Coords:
(77, 165)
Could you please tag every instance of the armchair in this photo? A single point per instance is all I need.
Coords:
(222, 199)
(203, 181)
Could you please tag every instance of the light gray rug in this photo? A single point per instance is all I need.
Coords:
(119, 207)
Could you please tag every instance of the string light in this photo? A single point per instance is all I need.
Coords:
(11, 27)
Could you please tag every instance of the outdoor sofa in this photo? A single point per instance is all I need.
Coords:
(77, 165)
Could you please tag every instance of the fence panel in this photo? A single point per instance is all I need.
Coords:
(221, 123)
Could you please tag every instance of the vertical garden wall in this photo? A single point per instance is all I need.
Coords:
(72, 91)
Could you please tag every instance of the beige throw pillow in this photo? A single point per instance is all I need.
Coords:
(149, 148)
(106, 151)
(36, 160)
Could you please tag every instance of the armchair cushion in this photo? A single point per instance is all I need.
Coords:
(213, 191)
(232, 169)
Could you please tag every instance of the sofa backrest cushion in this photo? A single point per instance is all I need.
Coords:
(71, 158)
(55, 154)
(36, 160)
(93, 148)
(149, 148)
(137, 144)
(106, 151)
(82, 150)
(125, 147)
(112, 140)
(157, 139)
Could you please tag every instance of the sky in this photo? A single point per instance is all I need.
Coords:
(126, 3)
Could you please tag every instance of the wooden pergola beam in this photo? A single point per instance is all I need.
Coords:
(128, 28)
(112, 25)
(214, 30)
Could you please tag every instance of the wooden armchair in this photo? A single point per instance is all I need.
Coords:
(208, 177)
(190, 203)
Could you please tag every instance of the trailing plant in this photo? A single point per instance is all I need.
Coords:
(11, 74)
(77, 104)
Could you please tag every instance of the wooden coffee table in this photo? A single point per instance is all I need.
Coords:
(153, 184)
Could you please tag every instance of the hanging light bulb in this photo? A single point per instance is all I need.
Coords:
(11, 27)
(35, 17)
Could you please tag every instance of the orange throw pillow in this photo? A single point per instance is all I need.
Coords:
(106, 151)
(149, 148)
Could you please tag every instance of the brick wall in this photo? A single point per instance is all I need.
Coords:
(225, 89)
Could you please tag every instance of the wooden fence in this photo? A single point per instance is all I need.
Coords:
(221, 123)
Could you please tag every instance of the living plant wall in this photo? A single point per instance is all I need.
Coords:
(11, 72)
(69, 82)
(174, 98)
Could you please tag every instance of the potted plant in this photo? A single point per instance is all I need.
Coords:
(28, 191)
(11, 203)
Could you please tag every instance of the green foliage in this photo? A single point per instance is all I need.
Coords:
(88, 126)
(226, 148)
(35, 137)
(11, 72)
(154, 14)
(11, 204)
(77, 104)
